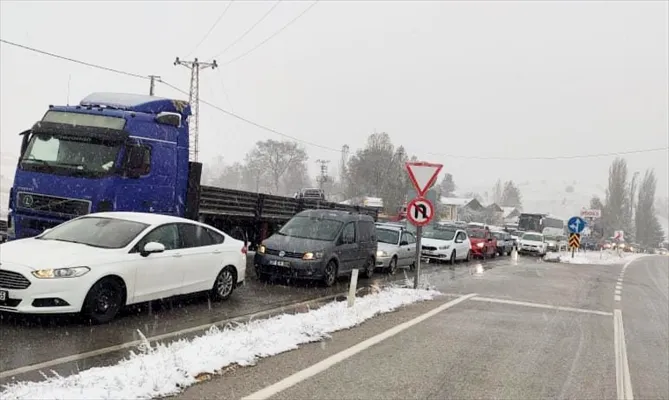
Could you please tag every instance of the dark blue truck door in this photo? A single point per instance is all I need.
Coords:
(153, 190)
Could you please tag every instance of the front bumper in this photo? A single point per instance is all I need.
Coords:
(42, 296)
(439, 254)
(383, 261)
(530, 249)
(288, 267)
(23, 226)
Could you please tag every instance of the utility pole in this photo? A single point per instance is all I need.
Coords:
(324, 173)
(152, 88)
(194, 99)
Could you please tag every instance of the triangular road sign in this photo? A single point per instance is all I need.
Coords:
(423, 175)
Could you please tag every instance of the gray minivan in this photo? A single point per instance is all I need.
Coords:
(320, 245)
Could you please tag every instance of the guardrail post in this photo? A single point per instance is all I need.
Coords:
(352, 288)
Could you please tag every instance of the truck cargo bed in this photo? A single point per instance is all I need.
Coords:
(260, 206)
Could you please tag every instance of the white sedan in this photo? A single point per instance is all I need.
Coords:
(100, 262)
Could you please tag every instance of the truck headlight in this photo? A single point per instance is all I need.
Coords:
(312, 255)
(73, 272)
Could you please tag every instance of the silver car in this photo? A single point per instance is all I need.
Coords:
(396, 247)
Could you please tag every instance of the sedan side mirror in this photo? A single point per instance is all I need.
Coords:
(458, 240)
(152, 247)
(404, 243)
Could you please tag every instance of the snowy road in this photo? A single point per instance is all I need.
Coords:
(32, 344)
(532, 330)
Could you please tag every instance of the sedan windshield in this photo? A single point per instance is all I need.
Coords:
(499, 235)
(533, 237)
(311, 228)
(387, 236)
(106, 233)
(439, 234)
(476, 233)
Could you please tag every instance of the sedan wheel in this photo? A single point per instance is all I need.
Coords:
(103, 301)
(225, 284)
(452, 261)
(392, 267)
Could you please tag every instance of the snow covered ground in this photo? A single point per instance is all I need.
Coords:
(605, 257)
(166, 369)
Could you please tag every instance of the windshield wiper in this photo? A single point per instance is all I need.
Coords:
(38, 161)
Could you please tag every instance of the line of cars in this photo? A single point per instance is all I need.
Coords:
(98, 263)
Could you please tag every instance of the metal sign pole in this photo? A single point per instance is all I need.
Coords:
(419, 234)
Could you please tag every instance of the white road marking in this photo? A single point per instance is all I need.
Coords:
(539, 305)
(623, 379)
(618, 292)
(616, 297)
(135, 343)
(321, 366)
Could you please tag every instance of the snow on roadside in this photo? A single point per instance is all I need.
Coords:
(606, 257)
(165, 369)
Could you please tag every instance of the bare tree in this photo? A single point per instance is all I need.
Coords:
(277, 157)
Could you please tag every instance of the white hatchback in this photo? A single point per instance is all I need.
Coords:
(97, 263)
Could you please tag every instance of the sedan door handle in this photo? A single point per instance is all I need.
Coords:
(177, 255)
(217, 251)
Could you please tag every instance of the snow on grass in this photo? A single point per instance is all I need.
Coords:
(166, 369)
(606, 257)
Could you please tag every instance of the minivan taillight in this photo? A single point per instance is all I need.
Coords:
(244, 250)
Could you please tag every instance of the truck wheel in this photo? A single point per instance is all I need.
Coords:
(104, 300)
(368, 268)
(330, 273)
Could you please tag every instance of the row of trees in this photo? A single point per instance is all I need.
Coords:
(629, 205)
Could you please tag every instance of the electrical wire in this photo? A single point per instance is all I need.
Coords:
(277, 32)
(206, 35)
(248, 121)
(101, 67)
(258, 125)
(234, 42)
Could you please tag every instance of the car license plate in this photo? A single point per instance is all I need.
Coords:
(279, 263)
(3, 295)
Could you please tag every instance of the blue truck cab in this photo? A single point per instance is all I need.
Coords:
(112, 152)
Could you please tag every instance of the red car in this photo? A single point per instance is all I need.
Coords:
(484, 244)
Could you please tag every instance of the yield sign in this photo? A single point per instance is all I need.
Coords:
(423, 175)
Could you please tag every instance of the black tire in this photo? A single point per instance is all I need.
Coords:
(392, 267)
(412, 267)
(104, 300)
(453, 257)
(225, 284)
(368, 268)
(330, 273)
(469, 256)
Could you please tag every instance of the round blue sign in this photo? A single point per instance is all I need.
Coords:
(576, 224)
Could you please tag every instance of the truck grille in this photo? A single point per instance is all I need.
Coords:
(288, 254)
(13, 280)
(54, 205)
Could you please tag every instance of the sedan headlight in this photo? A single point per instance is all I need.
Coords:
(480, 245)
(381, 253)
(444, 247)
(312, 255)
(73, 272)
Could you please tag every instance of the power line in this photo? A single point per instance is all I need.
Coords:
(117, 71)
(206, 35)
(248, 121)
(272, 35)
(572, 157)
(248, 30)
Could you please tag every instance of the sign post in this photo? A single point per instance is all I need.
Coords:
(576, 225)
(420, 210)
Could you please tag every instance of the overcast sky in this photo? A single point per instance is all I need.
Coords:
(444, 79)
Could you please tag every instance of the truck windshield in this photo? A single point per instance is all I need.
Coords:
(311, 228)
(83, 154)
(387, 236)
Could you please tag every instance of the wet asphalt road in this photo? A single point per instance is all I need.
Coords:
(29, 340)
(487, 346)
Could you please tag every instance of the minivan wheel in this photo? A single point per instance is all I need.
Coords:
(368, 269)
(330, 273)
(392, 267)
